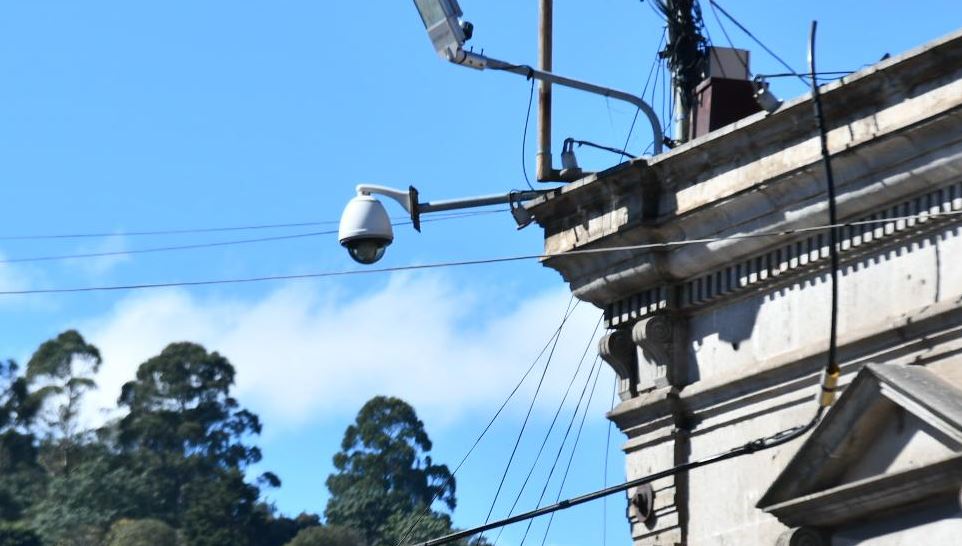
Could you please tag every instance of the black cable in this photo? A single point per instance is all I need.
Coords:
(601, 147)
(604, 482)
(215, 243)
(788, 74)
(564, 440)
(651, 71)
(574, 448)
(524, 137)
(187, 231)
(554, 420)
(524, 425)
(460, 263)
(564, 318)
(728, 39)
(757, 41)
(751, 447)
(832, 370)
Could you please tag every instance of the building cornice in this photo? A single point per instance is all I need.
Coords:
(895, 134)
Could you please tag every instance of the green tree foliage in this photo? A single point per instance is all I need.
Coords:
(100, 489)
(18, 534)
(62, 369)
(180, 406)
(140, 532)
(21, 477)
(328, 536)
(384, 470)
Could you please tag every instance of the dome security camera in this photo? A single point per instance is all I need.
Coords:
(365, 229)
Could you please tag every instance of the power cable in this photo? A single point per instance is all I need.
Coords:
(604, 482)
(524, 137)
(554, 420)
(728, 39)
(748, 448)
(481, 261)
(788, 67)
(215, 244)
(651, 71)
(574, 449)
(524, 425)
(188, 231)
(564, 440)
(569, 310)
(601, 147)
(832, 371)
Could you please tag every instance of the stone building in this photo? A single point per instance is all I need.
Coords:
(720, 342)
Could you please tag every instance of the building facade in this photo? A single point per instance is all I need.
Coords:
(718, 314)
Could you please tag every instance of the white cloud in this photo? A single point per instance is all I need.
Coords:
(96, 267)
(305, 353)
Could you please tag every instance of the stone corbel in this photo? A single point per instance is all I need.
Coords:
(617, 349)
(662, 340)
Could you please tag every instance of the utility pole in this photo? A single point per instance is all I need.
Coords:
(685, 52)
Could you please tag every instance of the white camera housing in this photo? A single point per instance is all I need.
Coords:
(365, 229)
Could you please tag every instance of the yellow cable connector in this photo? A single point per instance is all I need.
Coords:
(829, 387)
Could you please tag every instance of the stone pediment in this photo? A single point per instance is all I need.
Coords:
(893, 440)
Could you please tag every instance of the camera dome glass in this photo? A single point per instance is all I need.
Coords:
(366, 252)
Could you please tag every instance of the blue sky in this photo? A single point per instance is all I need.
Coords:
(125, 116)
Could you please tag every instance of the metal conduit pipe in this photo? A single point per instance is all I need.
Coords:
(545, 172)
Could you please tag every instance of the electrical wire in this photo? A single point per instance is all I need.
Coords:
(554, 420)
(788, 67)
(651, 71)
(524, 425)
(188, 231)
(524, 136)
(832, 370)
(480, 261)
(574, 449)
(728, 39)
(569, 310)
(564, 440)
(215, 244)
(604, 481)
(602, 147)
(748, 448)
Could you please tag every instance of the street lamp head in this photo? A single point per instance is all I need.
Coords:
(365, 229)
(442, 19)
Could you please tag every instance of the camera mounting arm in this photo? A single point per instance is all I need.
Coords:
(409, 201)
(480, 62)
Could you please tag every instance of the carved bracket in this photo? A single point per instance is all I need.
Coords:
(662, 340)
(618, 350)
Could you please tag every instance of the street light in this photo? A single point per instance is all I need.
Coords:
(365, 229)
(448, 33)
(442, 19)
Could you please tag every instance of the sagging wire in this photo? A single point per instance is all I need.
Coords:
(569, 310)
(574, 448)
(554, 421)
(561, 446)
(742, 27)
(213, 244)
(527, 117)
(753, 446)
(604, 481)
(651, 71)
(189, 231)
(921, 217)
(524, 425)
(568, 142)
